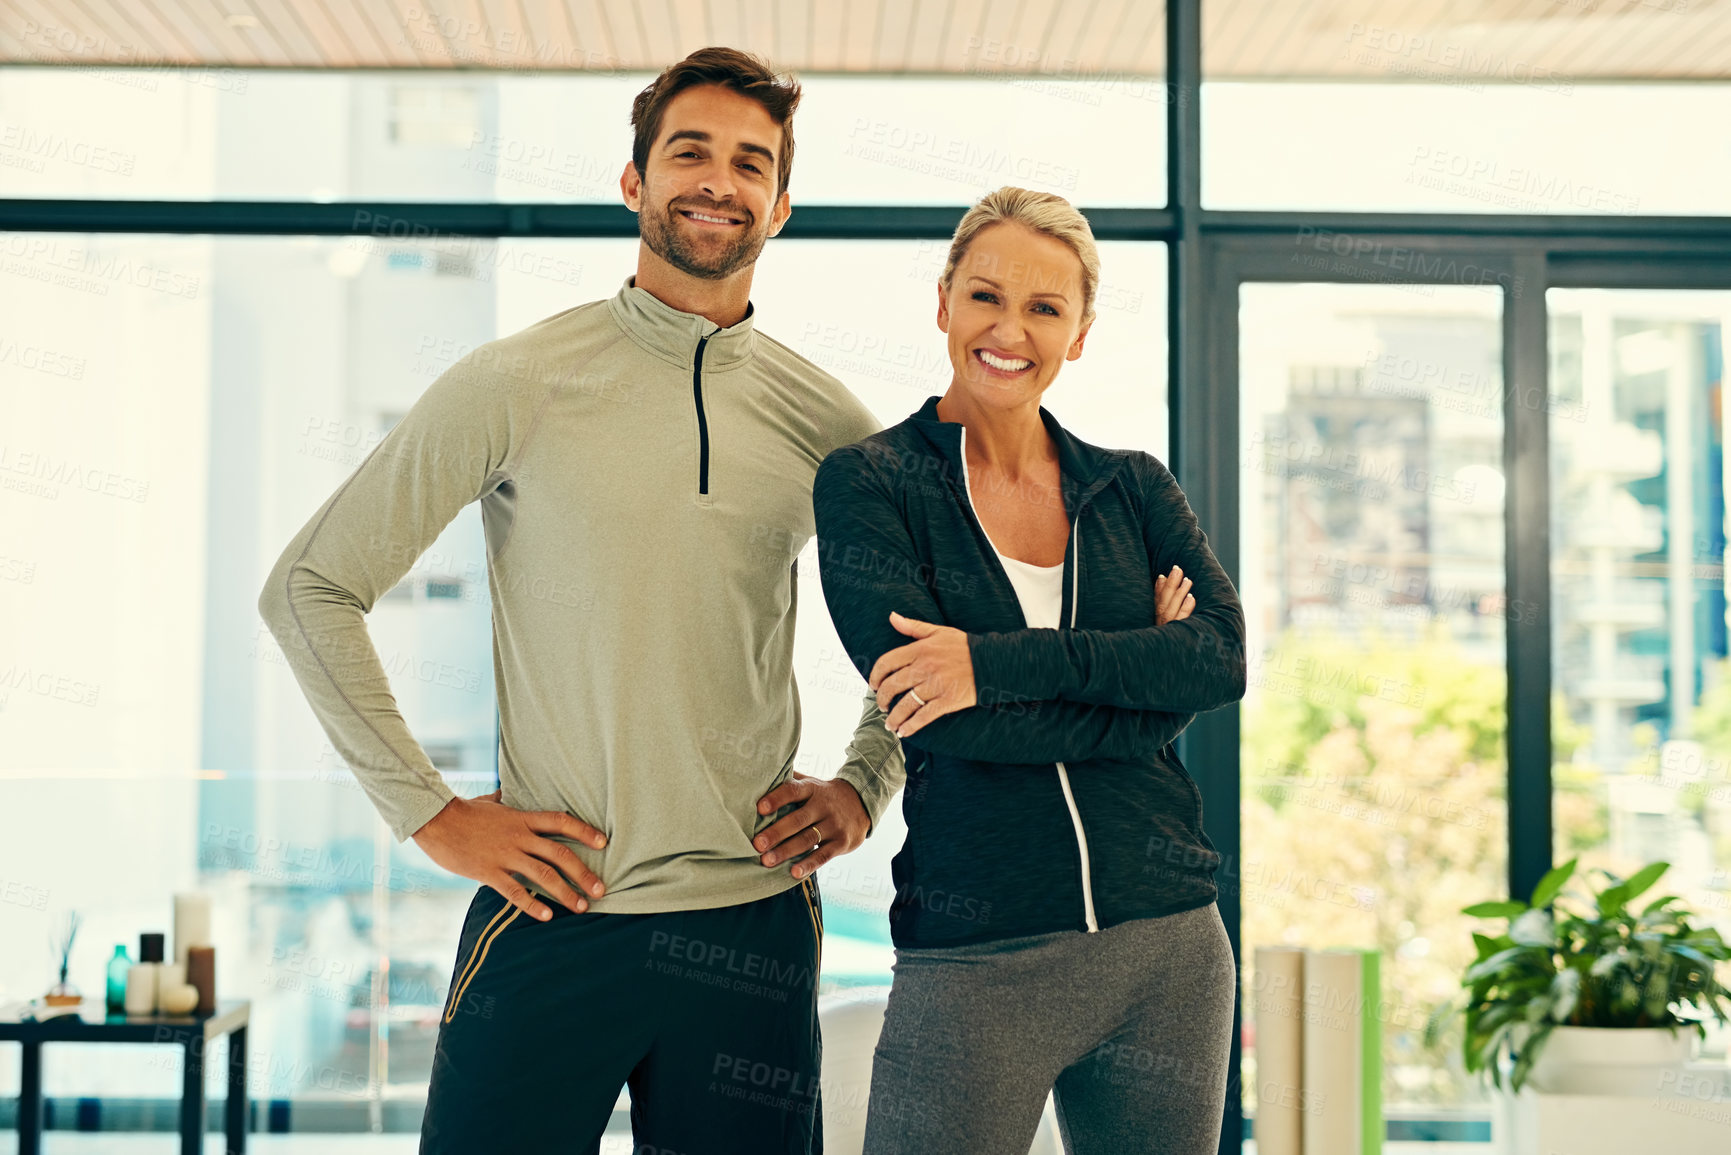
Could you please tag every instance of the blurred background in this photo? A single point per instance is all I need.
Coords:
(1375, 210)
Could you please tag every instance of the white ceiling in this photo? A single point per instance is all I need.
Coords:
(1444, 41)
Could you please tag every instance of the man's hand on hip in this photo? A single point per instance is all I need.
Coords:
(830, 820)
(483, 839)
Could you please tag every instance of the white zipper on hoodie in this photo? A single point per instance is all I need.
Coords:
(1063, 772)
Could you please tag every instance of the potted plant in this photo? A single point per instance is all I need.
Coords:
(1593, 1003)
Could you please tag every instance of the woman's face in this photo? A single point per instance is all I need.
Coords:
(1013, 313)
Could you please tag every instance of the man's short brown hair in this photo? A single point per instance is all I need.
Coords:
(744, 73)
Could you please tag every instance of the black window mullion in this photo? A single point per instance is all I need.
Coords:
(1527, 561)
(433, 220)
(1202, 401)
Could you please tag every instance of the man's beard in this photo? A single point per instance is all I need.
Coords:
(662, 235)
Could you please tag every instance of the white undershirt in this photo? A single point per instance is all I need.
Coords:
(1040, 589)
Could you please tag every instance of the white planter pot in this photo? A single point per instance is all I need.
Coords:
(1611, 1060)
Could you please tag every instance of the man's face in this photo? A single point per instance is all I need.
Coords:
(708, 201)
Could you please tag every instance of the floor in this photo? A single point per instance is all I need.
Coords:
(114, 1143)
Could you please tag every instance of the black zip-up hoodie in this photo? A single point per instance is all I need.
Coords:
(1057, 802)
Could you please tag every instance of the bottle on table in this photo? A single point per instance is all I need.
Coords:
(117, 968)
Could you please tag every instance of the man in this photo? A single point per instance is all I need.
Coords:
(644, 467)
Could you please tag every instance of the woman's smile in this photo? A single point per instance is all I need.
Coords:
(1000, 364)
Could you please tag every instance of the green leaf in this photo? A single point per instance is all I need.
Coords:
(1606, 963)
(1480, 1052)
(1644, 878)
(1534, 928)
(1708, 941)
(1658, 997)
(1494, 909)
(1658, 903)
(1524, 1061)
(1516, 992)
(1481, 1049)
(1499, 1016)
(1690, 952)
(1486, 968)
(1565, 993)
(1552, 883)
(1612, 898)
(1438, 1022)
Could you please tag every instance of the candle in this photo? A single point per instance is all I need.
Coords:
(201, 973)
(191, 923)
(150, 946)
(168, 976)
(179, 999)
(141, 988)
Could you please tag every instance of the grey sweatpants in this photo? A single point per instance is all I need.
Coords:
(1129, 1028)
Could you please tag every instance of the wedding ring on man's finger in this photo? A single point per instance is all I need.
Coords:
(916, 696)
(819, 834)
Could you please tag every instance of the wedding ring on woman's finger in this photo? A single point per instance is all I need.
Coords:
(916, 695)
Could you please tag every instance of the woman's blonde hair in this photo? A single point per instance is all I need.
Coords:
(1045, 213)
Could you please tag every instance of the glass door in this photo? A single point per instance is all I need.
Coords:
(1373, 761)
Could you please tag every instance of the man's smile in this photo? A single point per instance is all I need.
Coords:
(711, 220)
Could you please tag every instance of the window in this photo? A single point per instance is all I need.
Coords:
(190, 135)
(1642, 746)
(1361, 106)
(1373, 761)
(248, 378)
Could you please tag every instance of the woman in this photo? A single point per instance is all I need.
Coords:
(995, 579)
